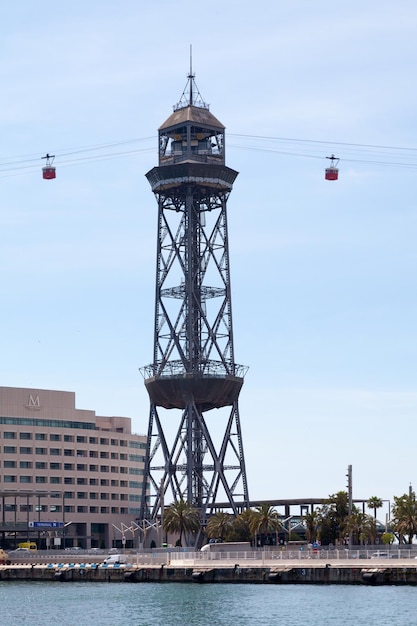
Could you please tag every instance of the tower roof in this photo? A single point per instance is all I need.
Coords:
(191, 113)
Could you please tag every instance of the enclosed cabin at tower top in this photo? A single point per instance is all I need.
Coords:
(191, 133)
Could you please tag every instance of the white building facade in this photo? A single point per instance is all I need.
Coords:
(68, 477)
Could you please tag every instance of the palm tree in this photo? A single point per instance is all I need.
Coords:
(404, 516)
(219, 525)
(312, 521)
(181, 517)
(263, 519)
(374, 503)
(240, 529)
(360, 527)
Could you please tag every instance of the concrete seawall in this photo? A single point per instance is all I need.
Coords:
(254, 573)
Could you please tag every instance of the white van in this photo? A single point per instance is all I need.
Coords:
(115, 559)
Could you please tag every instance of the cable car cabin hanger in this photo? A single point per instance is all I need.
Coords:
(332, 172)
(48, 171)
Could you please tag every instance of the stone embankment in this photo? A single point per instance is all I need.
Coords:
(256, 572)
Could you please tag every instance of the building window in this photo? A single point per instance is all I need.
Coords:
(54, 437)
(93, 454)
(24, 450)
(81, 439)
(104, 468)
(136, 458)
(26, 479)
(25, 464)
(68, 438)
(104, 496)
(114, 483)
(55, 451)
(9, 450)
(81, 481)
(137, 444)
(68, 467)
(93, 509)
(82, 509)
(41, 479)
(123, 496)
(81, 453)
(41, 451)
(104, 509)
(40, 465)
(104, 442)
(55, 480)
(93, 495)
(104, 482)
(81, 495)
(68, 452)
(123, 443)
(93, 468)
(40, 436)
(55, 466)
(93, 440)
(114, 496)
(123, 457)
(93, 481)
(68, 480)
(136, 470)
(9, 464)
(104, 455)
(9, 435)
(25, 436)
(115, 509)
(114, 442)
(81, 467)
(114, 469)
(9, 479)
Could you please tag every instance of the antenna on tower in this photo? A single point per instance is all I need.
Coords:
(191, 95)
(191, 75)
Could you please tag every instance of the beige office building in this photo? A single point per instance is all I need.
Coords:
(68, 476)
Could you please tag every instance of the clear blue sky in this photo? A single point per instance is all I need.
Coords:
(323, 273)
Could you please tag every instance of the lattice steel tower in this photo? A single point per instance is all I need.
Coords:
(194, 453)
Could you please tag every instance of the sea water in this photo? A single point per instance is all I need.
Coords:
(172, 604)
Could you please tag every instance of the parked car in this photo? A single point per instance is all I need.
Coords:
(24, 552)
(380, 554)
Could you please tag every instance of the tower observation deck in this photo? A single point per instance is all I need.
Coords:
(194, 453)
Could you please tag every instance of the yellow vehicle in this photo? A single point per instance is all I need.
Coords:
(29, 545)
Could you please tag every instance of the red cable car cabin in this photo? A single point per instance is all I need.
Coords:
(48, 171)
(332, 172)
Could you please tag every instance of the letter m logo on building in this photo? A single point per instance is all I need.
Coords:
(33, 402)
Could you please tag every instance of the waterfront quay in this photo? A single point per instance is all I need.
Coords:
(255, 567)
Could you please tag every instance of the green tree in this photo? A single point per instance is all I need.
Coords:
(332, 515)
(264, 519)
(374, 503)
(387, 538)
(219, 525)
(312, 521)
(182, 518)
(240, 529)
(404, 517)
(360, 527)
